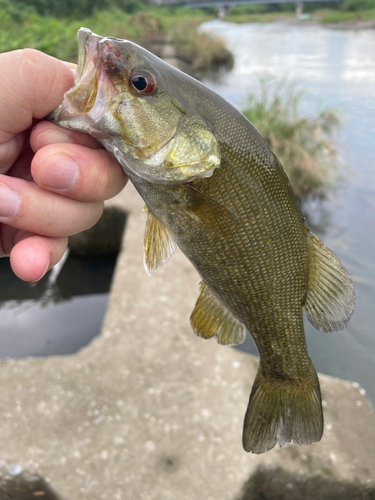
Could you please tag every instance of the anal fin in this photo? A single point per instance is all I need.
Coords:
(209, 317)
(158, 245)
(330, 296)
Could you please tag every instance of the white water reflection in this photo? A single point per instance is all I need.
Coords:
(308, 54)
(36, 329)
(337, 69)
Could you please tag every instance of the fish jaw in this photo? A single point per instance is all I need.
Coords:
(100, 87)
(152, 136)
(85, 103)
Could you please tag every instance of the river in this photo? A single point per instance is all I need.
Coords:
(336, 68)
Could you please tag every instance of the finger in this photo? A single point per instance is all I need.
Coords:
(22, 166)
(46, 133)
(78, 172)
(24, 205)
(9, 151)
(7, 238)
(33, 255)
(32, 85)
(70, 65)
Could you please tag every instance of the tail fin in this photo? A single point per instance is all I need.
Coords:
(282, 411)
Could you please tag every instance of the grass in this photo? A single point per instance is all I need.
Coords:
(57, 36)
(323, 16)
(201, 48)
(303, 144)
(337, 16)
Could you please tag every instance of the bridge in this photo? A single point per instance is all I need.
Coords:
(225, 5)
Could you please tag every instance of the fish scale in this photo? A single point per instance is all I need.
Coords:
(213, 186)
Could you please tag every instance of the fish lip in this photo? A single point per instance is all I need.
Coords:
(82, 35)
(87, 63)
(88, 53)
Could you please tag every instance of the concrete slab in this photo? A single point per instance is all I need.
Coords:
(149, 411)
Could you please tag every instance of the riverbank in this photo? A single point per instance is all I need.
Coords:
(327, 18)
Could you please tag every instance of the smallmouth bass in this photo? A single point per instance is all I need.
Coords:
(214, 188)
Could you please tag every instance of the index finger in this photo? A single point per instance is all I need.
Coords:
(32, 84)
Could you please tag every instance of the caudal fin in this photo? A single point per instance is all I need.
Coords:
(280, 412)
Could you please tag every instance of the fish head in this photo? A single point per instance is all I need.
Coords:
(140, 108)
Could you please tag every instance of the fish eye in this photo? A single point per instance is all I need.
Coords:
(142, 82)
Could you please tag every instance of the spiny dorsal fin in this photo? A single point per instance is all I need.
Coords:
(209, 317)
(330, 296)
(158, 245)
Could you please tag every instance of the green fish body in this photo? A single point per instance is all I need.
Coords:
(213, 187)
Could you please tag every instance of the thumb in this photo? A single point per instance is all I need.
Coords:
(32, 84)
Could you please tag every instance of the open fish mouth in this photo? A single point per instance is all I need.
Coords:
(99, 60)
(88, 53)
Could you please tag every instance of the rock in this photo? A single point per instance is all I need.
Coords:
(149, 411)
(277, 484)
(22, 485)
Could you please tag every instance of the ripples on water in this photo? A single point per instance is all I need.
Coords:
(336, 68)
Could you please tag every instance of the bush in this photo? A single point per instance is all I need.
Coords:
(336, 16)
(73, 8)
(57, 36)
(203, 50)
(358, 5)
(303, 144)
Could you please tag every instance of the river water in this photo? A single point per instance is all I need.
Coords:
(336, 68)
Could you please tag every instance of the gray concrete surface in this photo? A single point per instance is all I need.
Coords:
(149, 411)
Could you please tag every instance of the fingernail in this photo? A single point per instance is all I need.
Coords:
(60, 172)
(9, 201)
(52, 136)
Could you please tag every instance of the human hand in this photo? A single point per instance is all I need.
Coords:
(53, 181)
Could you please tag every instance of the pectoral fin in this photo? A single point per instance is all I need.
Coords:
(209, 317)
(158, 245)
(330, 296)
(208, 211)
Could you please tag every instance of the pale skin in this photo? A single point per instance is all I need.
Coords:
(53, 181)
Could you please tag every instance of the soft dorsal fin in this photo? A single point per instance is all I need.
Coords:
(158, 245)
(330, 296)
(209, 317)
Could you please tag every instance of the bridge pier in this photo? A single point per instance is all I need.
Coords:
(223, 11)
(299, 9)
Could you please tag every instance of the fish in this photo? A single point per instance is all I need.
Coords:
(213, 187)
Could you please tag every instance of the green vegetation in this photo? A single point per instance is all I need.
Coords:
(358, 5)
(326, 12)
(200, 47)
(337, 16)
(303, 144)
(51, 26)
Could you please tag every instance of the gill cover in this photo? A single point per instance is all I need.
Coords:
(192, 152)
